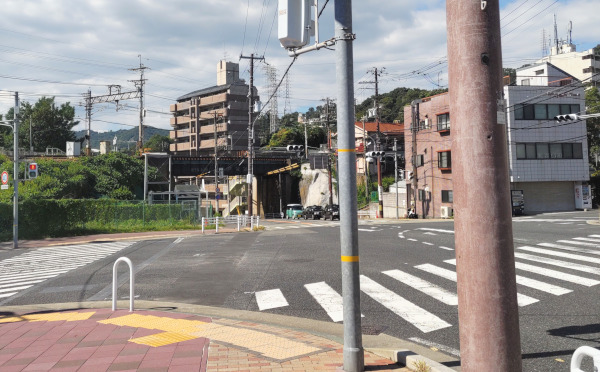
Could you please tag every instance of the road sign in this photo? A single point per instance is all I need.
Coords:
(5, 178)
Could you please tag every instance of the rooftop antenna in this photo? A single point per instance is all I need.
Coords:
(570, 33)
(555, 34)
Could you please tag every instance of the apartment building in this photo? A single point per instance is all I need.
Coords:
(216, 115)
(548, 160)
(432, 156)
(584, 66)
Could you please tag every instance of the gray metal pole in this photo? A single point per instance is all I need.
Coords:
(145, 175)
(353, 349)
(396, 173)
(16, 173)
(30, 137)
(485, 262)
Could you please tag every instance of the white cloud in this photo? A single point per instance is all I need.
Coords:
(97, 41)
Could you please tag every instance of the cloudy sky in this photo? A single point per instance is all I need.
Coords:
(62, 48)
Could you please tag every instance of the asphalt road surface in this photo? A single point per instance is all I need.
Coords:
(408, 278)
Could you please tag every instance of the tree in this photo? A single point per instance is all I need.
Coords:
(511, 73)
(158, 143)
(51, 124)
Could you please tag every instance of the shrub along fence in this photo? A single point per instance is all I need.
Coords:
(64, 217)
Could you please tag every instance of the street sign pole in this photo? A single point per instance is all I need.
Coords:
(16, 173)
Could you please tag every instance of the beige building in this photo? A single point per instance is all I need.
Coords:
(584, 66)
(215, 114)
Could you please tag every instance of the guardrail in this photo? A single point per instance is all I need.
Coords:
(223, 222)
(580, 353)
(367, 214)
(131, 283)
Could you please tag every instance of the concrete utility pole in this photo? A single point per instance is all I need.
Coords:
(249, 178)
(378, 139)
(353, 349)
(485, 265)
(140, 88)
(16, 172)
(414, 105)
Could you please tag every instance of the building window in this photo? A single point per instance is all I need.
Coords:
(444, 160)
(418, 160)
(529, 151)
(539, 72)
(422, 195)
(443, 122)
(544, 111)
(447, 196)
(525, 82)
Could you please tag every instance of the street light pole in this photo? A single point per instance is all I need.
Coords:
(353, 354)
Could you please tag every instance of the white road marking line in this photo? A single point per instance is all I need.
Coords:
(368, 230)
(412, 240)
(5, 285)
(427, 243)
(594, 236)
(331, 301)
(522, 300)
(424, 286)
(569, 248)
(4, 295)
(430, 344)
(588, 239)
(439, 271)
(557, 274)
(542, 286)
(270, 299)
(417, 316)
(429, 233)
(570, 256)
(565, 223)
(15, 288)
(436, 230)
(585, 244)
(564, 264)
(446, 248)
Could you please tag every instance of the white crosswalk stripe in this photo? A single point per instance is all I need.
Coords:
(578, 243)
(557, 274)
(522, 300)
(560, 254)
(28, 269)
(436, 230)
(331, 301)
(569, 248)
(424, 286)
(417, 316)
(270, 299)
(564, 264)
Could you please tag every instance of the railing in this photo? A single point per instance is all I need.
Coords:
(580, 353)
(131, 283)
(367, 214)
(219, 223)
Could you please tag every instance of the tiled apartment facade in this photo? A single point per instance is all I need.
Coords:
(220, 111)
(548, 160)
(433, 157)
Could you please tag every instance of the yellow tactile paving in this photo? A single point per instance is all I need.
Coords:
(49, 317)
(177, 330)
(161, 339)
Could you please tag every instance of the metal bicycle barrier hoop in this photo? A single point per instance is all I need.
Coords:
(580, 353)
(131, 283)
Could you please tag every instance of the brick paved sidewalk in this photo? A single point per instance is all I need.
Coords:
(103, 340)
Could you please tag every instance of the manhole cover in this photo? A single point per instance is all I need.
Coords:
(372, 330)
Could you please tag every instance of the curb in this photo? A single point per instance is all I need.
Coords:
(410, 359)
(383, 345)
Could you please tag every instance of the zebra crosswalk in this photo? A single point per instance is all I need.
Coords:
(28, 269)
(544, 271)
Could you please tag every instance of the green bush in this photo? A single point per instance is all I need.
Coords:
(41, 218)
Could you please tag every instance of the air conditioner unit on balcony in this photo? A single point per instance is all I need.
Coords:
(446, 212)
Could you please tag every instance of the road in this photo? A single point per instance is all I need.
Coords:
(408, 278)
